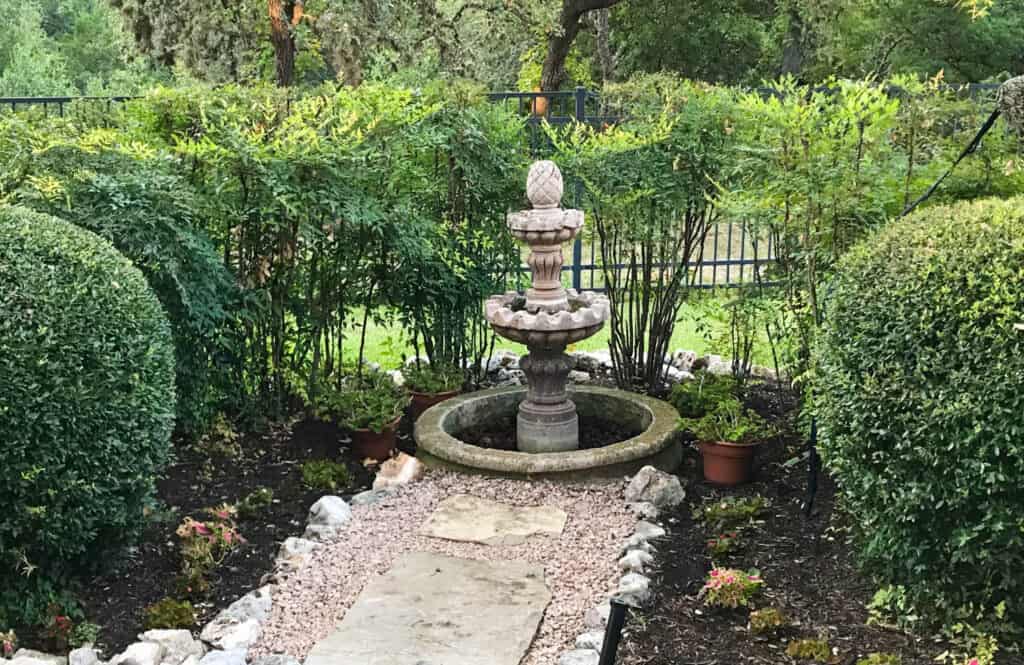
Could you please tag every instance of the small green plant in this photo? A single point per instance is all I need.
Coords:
(324, 474)
(694, 399)
(368, 402)
(767, 621)
(170, 614)
(221, 439)
(727, 587)
(730, 512)
(723, 544)
(881, 659)
(890, 608)
(83, 633)
(431, 378)
(728, 421)
(817, 651)
(255, 502)
(205, 544)
(8, 643)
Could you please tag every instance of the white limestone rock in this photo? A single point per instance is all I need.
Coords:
(596, 617)
(592, 640)
(658, 488)
(580, 657)
(649, 531)
(370, 497)
(30, 657)
(140, 653)
(229, 657)
(238, 626)
(576, 376)
(634, 590)
(84, 656)
(178, 645)
(635, 561)
(644, 510)
(326, 518)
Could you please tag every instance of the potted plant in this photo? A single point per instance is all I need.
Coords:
(728, 435)
(370, 405)
(431, 384)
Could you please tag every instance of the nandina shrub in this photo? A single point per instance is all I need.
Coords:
(920, 399)
(87, 403)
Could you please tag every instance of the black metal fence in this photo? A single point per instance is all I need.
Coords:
(731, 252)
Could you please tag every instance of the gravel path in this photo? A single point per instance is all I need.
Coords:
(580, 566)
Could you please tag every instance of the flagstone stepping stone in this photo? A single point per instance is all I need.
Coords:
(431, 609)
(474, 520)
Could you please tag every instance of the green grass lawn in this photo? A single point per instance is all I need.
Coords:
(386, 344)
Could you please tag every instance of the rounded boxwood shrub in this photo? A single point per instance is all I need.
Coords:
(920, 399)
(87, 402)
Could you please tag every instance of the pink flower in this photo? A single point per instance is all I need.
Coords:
(973, 661)
(714, 573)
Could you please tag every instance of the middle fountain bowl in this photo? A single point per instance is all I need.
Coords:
(548, 318)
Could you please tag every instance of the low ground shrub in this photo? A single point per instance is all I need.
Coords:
(87, 403)
(920, 398)
(169, 614)
(732, 511)
(726, 587)
(767, 621)
(324, 474)
(881, 659)
(817, 651)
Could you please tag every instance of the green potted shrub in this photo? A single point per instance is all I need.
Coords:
(727, 435)
(431, 384)
(370, 406)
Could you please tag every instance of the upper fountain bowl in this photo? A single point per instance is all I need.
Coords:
(511, 319)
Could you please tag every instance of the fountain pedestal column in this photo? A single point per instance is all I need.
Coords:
(547, 421)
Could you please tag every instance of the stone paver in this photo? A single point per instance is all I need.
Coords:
(431, 609)
(474, 520)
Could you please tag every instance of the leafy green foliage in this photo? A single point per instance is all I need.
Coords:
(86, 406)
(325, 474)
(433, 378)
(817, 651)
(83, 633)
(767, 621)
(694, 399)
(881, 659)
(730, 512)
(921, 404)
(650, 185)
(255, 503)
(170, 614)
(368, 401)
(728, 421)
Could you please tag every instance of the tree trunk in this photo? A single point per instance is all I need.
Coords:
(284, 16)
(561, 39)
(602, 30)
(793, 50)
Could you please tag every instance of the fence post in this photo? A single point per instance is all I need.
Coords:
(577, 246)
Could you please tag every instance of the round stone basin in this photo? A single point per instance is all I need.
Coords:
(658, 444)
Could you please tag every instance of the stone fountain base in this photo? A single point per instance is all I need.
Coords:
(657, 445)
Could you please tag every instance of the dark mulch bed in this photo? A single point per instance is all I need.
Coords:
(808, 565)
(501, 434)
(144, 574)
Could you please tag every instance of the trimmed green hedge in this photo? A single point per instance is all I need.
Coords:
(87, 402)
(920, 396)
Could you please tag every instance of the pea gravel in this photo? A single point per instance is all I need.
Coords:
(580, 566)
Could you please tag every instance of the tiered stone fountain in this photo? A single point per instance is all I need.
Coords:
(547, 319)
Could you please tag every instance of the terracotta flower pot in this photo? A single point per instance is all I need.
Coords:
(375, 445)
(540, 104)
(423, 401)
(727, 463)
